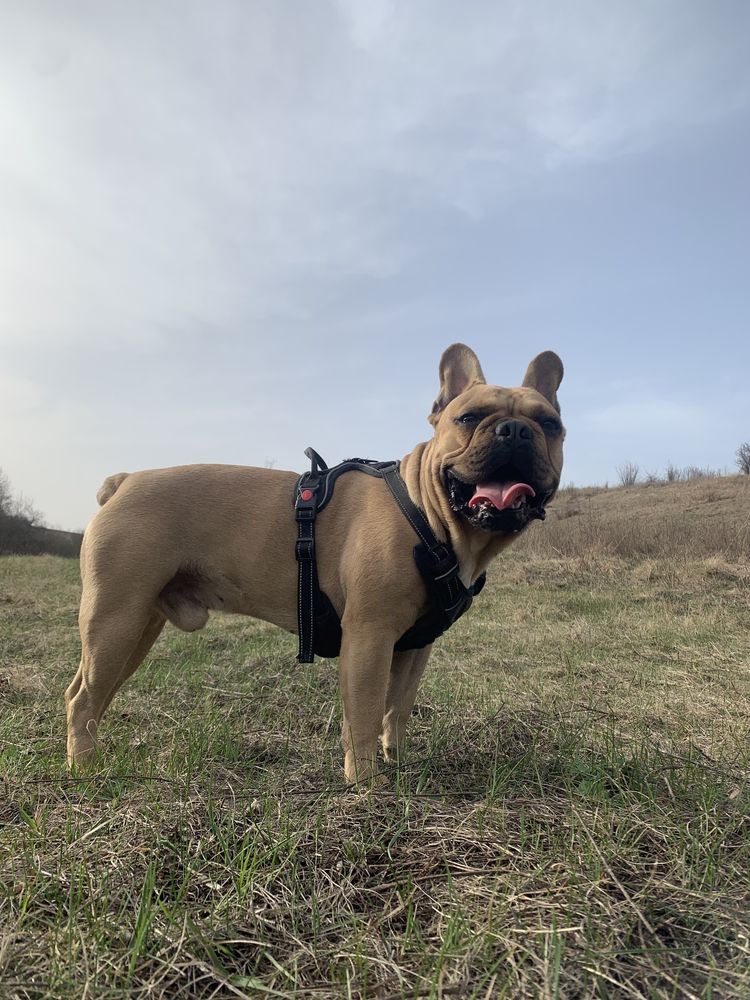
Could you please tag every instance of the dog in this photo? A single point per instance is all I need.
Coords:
(173, 544)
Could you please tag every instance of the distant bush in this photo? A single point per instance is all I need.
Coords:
(743, 458)
(22, 528)
(674, 475)
(628, 474)
(17, 506)
(695, 472)
(6, 494)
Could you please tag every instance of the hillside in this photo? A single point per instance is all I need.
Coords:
(694, 519)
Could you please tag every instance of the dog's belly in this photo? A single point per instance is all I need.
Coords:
(197, 539)
(194, 591)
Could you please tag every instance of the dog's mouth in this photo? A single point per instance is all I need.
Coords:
(501, 502)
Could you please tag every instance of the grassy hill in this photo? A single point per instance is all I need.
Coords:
(685, 519)
(571, 820)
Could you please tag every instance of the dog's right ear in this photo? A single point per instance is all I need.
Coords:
(459, 369)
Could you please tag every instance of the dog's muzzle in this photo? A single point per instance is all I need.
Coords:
(505, 492)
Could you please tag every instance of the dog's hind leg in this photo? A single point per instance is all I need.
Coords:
(113, 645)
(151, 633)
(406, 672)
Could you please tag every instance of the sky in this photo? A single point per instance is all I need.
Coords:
(231, 230)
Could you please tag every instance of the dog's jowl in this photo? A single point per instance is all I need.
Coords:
(174, 544)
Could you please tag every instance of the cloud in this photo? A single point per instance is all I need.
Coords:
(180, 165)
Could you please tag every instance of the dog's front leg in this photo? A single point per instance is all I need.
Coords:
(365, 665)
(406, 672)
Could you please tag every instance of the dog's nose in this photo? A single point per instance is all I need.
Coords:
(513, 432)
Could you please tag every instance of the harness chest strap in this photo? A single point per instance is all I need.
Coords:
(319, 626)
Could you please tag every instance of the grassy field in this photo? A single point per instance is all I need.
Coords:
(571, 820)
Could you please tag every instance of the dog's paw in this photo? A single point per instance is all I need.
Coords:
(362, 785)
(85, 761)
(360, 794)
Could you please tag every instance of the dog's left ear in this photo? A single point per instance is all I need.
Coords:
(545, 374)
(459, 368)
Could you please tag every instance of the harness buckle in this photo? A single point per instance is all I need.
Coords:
(304, 549)
(306, 501)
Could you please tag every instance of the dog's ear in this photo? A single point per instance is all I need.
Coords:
(545, 374)
(459, 368)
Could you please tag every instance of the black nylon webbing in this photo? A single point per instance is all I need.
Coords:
(436, 560)
(305, 510)
(409, 509)
(305, 553)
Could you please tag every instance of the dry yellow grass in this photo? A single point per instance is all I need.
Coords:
(689, 520)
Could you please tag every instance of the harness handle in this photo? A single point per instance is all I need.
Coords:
(318, 465)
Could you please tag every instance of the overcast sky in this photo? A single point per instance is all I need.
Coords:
(229, 230)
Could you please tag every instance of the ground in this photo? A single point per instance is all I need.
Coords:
(571, 818)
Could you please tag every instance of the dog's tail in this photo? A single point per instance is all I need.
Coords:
(110, 486)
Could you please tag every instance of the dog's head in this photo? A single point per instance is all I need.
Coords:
(499, 450)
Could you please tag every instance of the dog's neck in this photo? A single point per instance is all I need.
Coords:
(474, 549)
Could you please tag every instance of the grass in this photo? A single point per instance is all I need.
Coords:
(694, 518)
(571, 819)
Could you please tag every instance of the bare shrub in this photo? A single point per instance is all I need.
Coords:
(628, 474)
(674, 475)
(6, 494)
(743, 458)
(25, 509)
(22, 527)
(695, 472)
(652, 477)
(19, 506)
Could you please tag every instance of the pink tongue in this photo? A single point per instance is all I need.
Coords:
(500, 495)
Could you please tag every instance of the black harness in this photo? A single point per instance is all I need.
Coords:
(318, 624)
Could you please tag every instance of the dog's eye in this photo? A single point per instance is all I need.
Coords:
(550, 426)
(469, 419)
